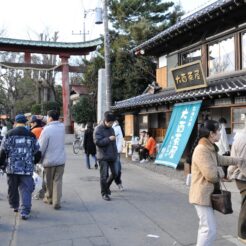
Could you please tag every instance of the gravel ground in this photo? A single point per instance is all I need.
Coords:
(161, 169)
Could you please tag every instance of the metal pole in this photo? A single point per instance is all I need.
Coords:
(107, 55)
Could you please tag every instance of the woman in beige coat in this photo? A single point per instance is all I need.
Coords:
(206, 171)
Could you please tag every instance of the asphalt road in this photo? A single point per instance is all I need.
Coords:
(152, 210)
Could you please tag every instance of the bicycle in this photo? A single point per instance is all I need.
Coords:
(78, 144)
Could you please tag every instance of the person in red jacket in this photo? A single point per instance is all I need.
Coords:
(149, 148)
(36, 126)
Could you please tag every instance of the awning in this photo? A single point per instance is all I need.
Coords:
(216, 87)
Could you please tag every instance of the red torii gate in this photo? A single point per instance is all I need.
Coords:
(63, 49)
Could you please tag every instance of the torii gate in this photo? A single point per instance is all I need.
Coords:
(63, 49)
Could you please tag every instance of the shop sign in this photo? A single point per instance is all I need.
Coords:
(182, 121)
(189, 76)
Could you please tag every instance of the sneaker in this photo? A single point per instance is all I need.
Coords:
(120, 187)
(96, 166)
(106, 197)
(16, 210)
(142, 161)
(25, 216)
(36, 197)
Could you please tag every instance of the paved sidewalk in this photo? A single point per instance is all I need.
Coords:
(153, 210)
(178, 174)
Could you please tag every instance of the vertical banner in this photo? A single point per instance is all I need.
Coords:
(179, 129)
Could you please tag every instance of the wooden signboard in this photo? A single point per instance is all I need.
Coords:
(189, 76)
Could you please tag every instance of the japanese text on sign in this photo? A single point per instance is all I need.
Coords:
(189, 76)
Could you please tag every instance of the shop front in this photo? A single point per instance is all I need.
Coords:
(223, 97)
(219, 81)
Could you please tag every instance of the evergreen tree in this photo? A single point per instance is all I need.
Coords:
(83, 111)
(133, 22)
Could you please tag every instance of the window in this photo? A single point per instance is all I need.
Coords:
(238, 118)
(191, 56)
(143, 122)
(244, 50)
(221, 56)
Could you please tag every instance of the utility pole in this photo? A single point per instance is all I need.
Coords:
(84, 33)
(107, 55)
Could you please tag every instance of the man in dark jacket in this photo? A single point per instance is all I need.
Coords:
(19, 152)
(104, 138)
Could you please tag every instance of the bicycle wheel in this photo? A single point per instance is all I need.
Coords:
(76, 146)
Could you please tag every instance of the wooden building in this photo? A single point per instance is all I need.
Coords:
(215, 36)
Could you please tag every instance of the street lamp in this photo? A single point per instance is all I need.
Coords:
(101, 15)
(99, 20)
(107, 56)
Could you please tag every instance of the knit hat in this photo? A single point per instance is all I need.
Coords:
(109, 116)
(20, 118)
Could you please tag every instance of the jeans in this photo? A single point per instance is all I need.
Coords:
(105, 180)
(117, 166)
(241, 185)
(207, 226)
(88, 160)
(20, 186)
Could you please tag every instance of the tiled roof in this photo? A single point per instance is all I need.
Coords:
(220, 7)
(63, 49)
(226, 85)
(50, 44)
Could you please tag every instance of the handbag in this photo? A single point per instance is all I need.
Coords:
(221, 200)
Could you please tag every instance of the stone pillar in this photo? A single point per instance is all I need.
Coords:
(66, 94)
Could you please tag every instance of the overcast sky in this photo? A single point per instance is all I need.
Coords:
(26, 19)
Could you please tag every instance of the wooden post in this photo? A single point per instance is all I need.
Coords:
(66, 94)
(27, 59)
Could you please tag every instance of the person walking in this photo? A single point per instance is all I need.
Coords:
(89, 146)
(53, 157)
(206, 171)
(105, 140)
(20, 151)
(238, 149)
(36, 128)
(117, 164)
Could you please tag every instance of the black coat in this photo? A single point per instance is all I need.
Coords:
(106, 149)
(89, 146)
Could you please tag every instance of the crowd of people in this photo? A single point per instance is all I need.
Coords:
(43, 142)
(27, 144)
